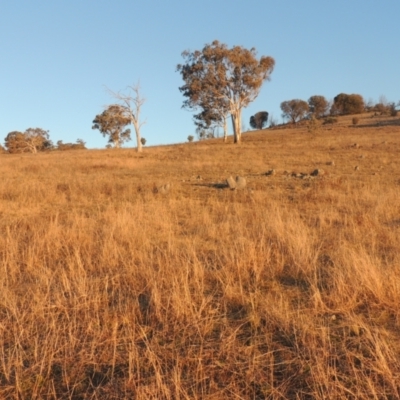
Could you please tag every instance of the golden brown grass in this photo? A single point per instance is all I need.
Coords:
(290, 289)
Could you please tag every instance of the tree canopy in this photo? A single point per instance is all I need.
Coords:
(318, 105)
(345, 104)
(30, 141)
(111, 122)
(259, 120)
(223, 80)
(294, 110)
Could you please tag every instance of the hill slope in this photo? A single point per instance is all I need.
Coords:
(112, 287)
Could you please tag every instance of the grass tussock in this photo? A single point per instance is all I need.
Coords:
(288, 289)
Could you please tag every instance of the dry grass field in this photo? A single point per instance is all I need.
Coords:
(288, 289)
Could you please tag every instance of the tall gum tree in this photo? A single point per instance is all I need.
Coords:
(224, 80)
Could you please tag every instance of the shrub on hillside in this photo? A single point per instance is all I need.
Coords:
(313, 125)
(355, 120)
(79, 145)
(330, 120)
(393, 111)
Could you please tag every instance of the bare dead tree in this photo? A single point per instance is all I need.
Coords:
(132, 102)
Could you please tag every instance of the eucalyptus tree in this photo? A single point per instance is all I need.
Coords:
(259, 120)
(112, 123)
(318, 105)
(294, 110)
(345, 104)
(224, 80)
(32, 140)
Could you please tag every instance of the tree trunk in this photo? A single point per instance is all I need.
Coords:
(139, 143)
(237, 126)
(138, 138)
(225, 130)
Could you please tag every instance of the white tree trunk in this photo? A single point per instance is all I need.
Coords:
(237, 125)
(138, 138)
(225, 129)
(139, 143)
(133, 105)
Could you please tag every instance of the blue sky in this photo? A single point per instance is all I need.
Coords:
(57, 56)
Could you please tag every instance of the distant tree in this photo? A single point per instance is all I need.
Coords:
(318, 106)
(132, 103)
(203, 133)
(15, 142)
(81, 143)
(143, 141)
(381, 108)
(190, 138)
(259, 120)
(393, 109)
(223, 80)
(30, 141)
(386, 108)
(112, 123)
(294, 110)
(345, 104)
(212, 118)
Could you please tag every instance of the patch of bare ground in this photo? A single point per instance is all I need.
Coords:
(111, 288)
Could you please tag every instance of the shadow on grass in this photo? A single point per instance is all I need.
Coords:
(214, 185)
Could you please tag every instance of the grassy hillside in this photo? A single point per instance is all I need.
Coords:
(289, 288)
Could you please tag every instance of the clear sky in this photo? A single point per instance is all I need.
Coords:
(57, 56)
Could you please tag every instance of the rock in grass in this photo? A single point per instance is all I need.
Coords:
(231, 183)
(317, 172)
(240, 182)
(164, 189)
